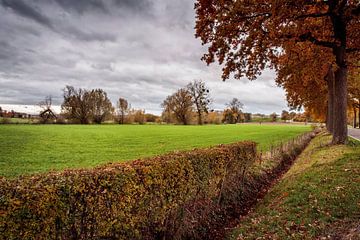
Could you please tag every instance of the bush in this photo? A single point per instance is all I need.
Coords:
(5, 120)
(165, 196)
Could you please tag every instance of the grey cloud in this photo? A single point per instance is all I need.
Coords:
(82, 35)
(135, 5)
(27, 11)
(142, 50)
(81, 6)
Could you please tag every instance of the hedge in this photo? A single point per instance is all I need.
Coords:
(170, 196)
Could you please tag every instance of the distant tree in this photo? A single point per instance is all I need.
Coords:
(229, 117)
(86, 106)
(354, 95)
(151, 117)
(180, 104)
(233, 113)
(273, 117)
(292, 115)
(123, 107)
(285, 115)
(1, 112)
(100, 106)
(247, 117)
(46, 114)
(166, 115)
(200, 97)
(76, 105)
(139, 116)
(214, 117)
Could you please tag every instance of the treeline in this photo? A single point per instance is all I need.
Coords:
(93, 106)
(188, 105)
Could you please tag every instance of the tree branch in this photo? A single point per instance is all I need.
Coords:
(313, 15)
(308, 37)
(351, 50)
(356, 11)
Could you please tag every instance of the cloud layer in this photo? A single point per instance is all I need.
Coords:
(142, 50)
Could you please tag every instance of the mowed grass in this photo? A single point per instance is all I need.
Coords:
(318, 198)
(30, 149)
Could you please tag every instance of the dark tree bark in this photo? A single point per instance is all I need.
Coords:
(340, 83)
(354, 122)
(199, 117)
(340, 103)
(331, 95)
(359, 114)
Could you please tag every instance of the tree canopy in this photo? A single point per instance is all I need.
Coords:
(248, 36)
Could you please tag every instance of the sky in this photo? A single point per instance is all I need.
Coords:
(142, 50)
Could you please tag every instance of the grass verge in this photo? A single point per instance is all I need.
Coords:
(319, 197)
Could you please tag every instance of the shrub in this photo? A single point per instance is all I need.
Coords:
(165, 196)
(5, 120)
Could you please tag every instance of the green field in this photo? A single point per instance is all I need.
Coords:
(29, 149)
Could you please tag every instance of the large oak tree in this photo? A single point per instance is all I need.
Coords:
(249, 35)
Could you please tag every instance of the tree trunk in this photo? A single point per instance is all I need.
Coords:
(199, 118)
(337, 16)
(359, 114)
(331, 95)
(354, 123)
(340, 103)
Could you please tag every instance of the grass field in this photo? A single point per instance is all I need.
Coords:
(318, 198)
(29, 149)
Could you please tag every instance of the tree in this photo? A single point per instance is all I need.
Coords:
(247, 117)
(200, 97)
(1, 112)
(86, 106)
(46, 114)
(100, 106)
(354, 95)
(273, 117)
(76, 105)
(123, 107)
(180, 104)
(248, 36)
(233, 113)
(151, 118)
(313, 71)
(139, 116)
(285, 115)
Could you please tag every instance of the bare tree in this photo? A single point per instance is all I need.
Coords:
(180, 104)
(46, 114)
(123, 107)
(200, 97)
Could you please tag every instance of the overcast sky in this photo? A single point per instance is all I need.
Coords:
(142, 50)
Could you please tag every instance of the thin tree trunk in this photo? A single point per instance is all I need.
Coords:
(331, 95)
(354, 123)
(199, 118)
(359, 114)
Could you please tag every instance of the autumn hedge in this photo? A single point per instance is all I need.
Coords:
(144, 199)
